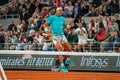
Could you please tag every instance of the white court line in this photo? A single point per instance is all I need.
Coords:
(58, 53)
(3, 72)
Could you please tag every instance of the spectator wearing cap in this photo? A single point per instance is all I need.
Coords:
(116, 16)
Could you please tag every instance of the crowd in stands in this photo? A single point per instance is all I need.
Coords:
(28, 33)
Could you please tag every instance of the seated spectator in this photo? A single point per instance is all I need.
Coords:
(1, 28)
(92, 12)
(77, 9)
(38, 38)
(69, 8)
(114, 42)
(72, 39)
(30, 37)
(8, 37)
(84, 24)
(11, 25)
(6, 10)
(100, 11)
(113, 26)
(2, 40)
(22, 38)
(91, 24)
(100, 19)
(22, 42)
(47, 41)
(24, 15)
(5, 31)
(116, 16)
(39, 22)
(24, 26)
(90, 37)
(76, 16)
(114, 7)
(38, 41)
(19, 25)
(100, 32)
(32, 25)
(36, 14)
(84, 8)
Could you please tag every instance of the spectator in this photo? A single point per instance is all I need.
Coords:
(24, 15)
(69, 8)
(84, 24)
(84, 8)
(113, 26)
(1, 29)
(38, 41)
(114, 7)
(38, 38)
(91, 25)
(14, 35)
(10, 27)
(77, 9)
(2, 40)
(100, 32)
(73, 39)
(22, 38)
(116, 16)
(39, 22)
(30, 37)
(114, 42)
(100, 19)
(36, 14)
(8, 38)
(32, 25)
(92, 12)
(101, 11)
(24, 26)
(76, 16)
(47, 42)
(82, 37)
(96, 3)
(19, 25)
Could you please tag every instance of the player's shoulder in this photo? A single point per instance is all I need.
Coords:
(52, 16)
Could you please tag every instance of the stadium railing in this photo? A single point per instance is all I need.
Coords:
(90, 47)
(10, 16)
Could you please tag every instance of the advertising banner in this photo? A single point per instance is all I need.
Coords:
(46, 62)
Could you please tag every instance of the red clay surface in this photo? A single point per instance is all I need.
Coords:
(47, 75)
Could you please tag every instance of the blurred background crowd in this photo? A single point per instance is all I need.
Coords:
(101, 33)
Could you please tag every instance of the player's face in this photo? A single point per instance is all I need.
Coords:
(59, 12)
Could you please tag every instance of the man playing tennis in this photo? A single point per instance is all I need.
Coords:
(57, 23)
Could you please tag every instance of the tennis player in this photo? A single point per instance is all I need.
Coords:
(57, 23)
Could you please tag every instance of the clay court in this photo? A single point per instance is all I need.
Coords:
(47, 75)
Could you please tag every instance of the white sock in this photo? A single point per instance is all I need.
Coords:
(62, 64)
